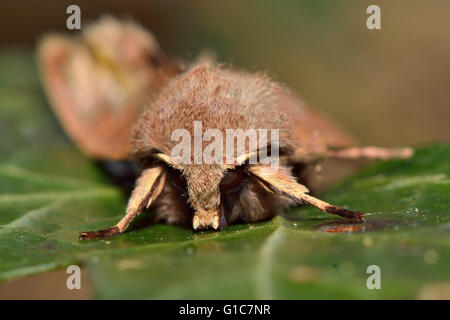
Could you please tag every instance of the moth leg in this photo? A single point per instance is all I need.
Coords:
(373, 153)
(148, 187)
(330, 208)
(279, 181)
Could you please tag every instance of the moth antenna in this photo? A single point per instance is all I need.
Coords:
(246, 157)
(167, 159)
(279, 181)
(373, 153)
(148, 188)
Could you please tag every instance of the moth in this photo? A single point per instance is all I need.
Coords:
(119, 96)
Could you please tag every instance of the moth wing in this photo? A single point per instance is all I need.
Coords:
(313, 132)
(100, 129)
(317, 138)
(98, 83)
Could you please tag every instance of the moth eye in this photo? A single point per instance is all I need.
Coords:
(177, 179)
(231, 181)
(155, 60)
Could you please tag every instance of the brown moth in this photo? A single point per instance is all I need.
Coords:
(201, 195)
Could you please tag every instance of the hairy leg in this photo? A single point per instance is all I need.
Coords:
(279, 181)
(148, 187)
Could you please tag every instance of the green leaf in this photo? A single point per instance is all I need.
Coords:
(49, 193)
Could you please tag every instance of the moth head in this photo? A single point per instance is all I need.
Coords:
(203, 186)
(213, 190)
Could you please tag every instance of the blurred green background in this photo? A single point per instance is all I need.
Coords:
(388, 87)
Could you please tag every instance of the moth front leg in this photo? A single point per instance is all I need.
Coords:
(148, 188)
(278, 180)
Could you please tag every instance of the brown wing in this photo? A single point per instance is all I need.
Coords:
(98, 83)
